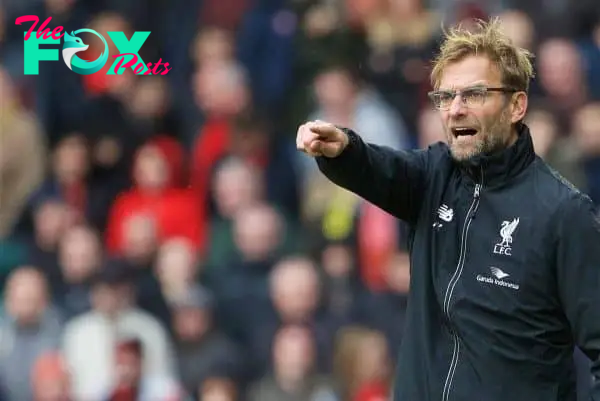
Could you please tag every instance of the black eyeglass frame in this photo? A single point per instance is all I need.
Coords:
(485, 89)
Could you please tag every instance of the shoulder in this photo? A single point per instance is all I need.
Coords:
(126, 197)
(80, 329)
(259, 389)
(142, 321)
(83, 321)
(569, 206)
(439, 152)
(437, 159)
(6, 335)
(28, 126)
(161, 386)
(554, 189)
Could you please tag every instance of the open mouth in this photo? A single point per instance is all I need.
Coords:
(464, 131)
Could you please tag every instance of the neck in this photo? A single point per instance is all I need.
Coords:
(29, 325)
(153, 190)
(508, 142)
(513, 137)
(45, 244)
(172, 290)
(506, 162)
(343, 111)
(70, 181)
(289, 384)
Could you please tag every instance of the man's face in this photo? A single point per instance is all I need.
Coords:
(108, 298)
(295, 291)
(26, 296)
(489, 123)
(191, 324)
(79, 254)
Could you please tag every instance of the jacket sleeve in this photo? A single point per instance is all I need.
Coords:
(393, 180)
(578, 274)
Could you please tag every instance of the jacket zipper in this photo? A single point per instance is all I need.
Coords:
(452, 285)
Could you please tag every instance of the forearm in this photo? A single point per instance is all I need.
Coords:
(392, 180)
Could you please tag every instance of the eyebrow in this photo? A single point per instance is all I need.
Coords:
(463, 90)
(477, 84)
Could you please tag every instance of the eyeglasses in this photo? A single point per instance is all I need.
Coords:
(470, 97)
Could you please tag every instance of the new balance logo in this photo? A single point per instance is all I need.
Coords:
(445, 213)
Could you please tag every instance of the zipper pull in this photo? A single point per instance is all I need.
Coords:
(477, 191)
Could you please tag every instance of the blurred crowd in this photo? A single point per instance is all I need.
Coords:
(161, 239)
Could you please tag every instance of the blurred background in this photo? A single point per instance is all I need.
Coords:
(160, 237)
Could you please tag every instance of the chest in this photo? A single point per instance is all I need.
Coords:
(489, 254)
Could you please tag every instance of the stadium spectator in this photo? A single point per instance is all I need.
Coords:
(202, 350)
(294, 374)
(90, 339)
(29, 328)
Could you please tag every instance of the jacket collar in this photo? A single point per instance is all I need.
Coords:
(498, 168)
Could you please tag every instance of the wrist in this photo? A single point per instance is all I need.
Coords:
(345, 136)
(349, 137)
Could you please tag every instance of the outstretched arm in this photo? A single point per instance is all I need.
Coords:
(393, 180)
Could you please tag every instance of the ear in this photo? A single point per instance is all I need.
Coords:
(518, 105)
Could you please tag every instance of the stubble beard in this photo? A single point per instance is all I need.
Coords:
(492, 138)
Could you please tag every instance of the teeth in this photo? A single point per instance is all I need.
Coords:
(462, 131)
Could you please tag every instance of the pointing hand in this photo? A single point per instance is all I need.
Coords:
(318, 138)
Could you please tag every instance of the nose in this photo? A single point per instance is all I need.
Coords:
(457, 107)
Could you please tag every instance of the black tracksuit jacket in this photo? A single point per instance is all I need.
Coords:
(505, 270)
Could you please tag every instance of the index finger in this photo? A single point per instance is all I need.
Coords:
(324, 130)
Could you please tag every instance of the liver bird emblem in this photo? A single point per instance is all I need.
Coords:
(508, 228)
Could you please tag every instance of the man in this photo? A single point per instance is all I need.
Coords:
(30, 327)
(505, 254)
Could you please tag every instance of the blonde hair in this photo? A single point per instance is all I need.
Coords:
(488, 40)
